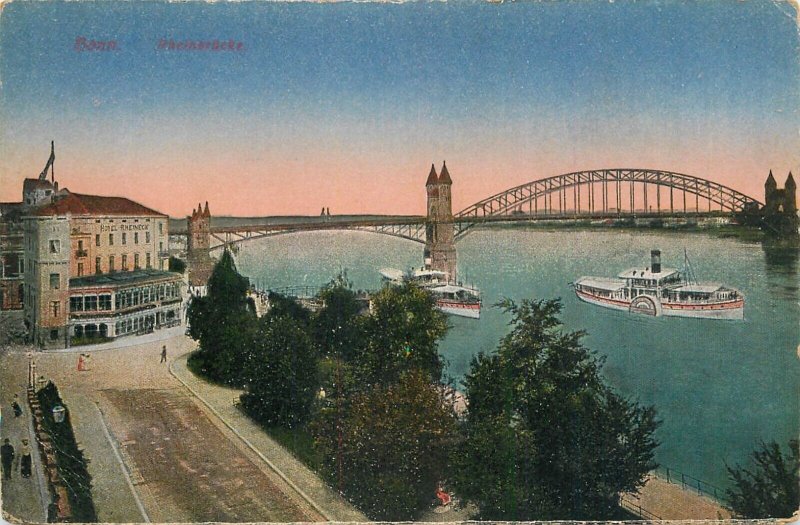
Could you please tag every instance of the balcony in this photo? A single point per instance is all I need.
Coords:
(81, 253)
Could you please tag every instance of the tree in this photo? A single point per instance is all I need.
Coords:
(281, 378)
(224, 323)
(402, 333)
(176, 264)
(338, 329)
(545, 437)
(770, 488)
(283, 306)
(391, 448)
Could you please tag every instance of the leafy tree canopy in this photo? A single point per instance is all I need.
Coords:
(224, 323)
(769, 488)
(545, 437)
(338, 328)
(281, 373)
(402, 333)
(389, 449)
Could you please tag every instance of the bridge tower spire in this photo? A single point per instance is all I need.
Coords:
(780, 207)
(199, 262)
(440, 248)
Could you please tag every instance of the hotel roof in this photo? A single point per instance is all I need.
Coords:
(121, 278)
(94, 205)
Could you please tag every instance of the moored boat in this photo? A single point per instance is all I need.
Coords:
(661, 291)
(453, 299)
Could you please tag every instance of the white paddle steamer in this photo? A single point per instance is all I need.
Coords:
(660, 291)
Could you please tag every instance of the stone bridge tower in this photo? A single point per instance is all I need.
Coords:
(780, 207)
(199, 262)
(440, 248)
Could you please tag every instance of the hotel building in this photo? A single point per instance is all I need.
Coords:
(96, 269)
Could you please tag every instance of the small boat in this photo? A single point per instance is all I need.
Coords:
(453, 299)
(658, 291)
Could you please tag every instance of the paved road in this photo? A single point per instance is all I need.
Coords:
(221, 400)
(155, 453)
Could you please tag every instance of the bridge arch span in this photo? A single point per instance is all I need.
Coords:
(607, 192)
(725, 198)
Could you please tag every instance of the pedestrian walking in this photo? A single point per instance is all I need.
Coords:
(15, 406)
(87, 362)
(80, 363)
(164, 354)
(25, 459)
(7, 458)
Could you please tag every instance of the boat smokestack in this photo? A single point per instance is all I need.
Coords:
(655, 261)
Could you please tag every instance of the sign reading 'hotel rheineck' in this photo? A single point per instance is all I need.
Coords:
(492, 261)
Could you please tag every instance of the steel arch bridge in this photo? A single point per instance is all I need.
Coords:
(409, 228)
(607, 193)
(592, 194)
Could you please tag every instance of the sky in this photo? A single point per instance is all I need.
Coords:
(346, 105)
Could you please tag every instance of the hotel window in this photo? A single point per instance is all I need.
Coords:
(147, 257)
(90, 303)
(76, 304)
(55, 246)
(110, 263)
(80, 245)
(55, 281)
(98, 265)
(80, 269)
(161, 246)
(147, 237)
(105, 302)
(135, 261)
(55, 307)
(161, 228)
(97, 239)
(124, 263)
(111, 239)
(124, 238)
(135, 237)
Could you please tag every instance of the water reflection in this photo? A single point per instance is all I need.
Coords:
(781, 260)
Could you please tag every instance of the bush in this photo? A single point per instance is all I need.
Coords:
(176, 265)
(72, 466)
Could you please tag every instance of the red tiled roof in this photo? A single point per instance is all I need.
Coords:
(78, 204)
(444, 176)
(432, 177)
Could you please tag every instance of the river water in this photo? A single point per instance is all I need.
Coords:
(720, 387)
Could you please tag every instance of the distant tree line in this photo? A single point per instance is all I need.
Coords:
(544, 436)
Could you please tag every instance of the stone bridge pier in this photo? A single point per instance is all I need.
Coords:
(440, 246)
(199, 262)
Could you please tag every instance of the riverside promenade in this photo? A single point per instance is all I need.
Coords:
(157, 453)
(660, 499)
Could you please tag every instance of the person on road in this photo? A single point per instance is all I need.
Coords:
(25, 459)
(16, 407)
(164, 354)
(7, 458)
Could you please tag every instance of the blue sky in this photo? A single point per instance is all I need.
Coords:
(711, 88)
